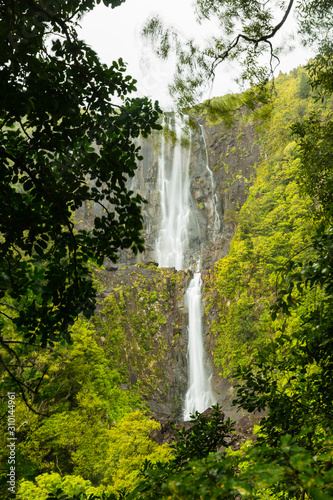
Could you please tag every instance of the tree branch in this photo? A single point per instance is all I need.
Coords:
(6, 315)
(11, 351)
(255, 41)
(20, 385)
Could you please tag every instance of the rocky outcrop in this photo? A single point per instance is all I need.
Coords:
(143, 308)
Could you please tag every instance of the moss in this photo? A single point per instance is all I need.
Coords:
(139, 306)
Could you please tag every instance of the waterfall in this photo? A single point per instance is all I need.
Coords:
(217, 222)
(199, 395)
(172, 244)
(173, 186)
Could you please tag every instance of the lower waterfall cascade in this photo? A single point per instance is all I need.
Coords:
(199, 396)
(171, 245)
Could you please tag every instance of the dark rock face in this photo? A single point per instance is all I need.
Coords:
(233, 155)
(146, 304)
(222, 168)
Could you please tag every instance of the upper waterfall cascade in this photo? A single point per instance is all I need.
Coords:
(173, 186)
(171, 246)
(217, 221)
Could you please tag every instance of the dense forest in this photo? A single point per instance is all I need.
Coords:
(76, 422)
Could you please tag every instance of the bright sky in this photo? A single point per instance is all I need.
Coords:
(115, 33)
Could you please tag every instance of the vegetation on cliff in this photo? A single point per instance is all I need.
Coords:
(274, 224)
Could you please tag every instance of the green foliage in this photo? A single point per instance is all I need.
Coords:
(129, 447)
(204, 437)
(315, 140)
(63, 141)
(259, 472)
(47, 484)
(304, 87)
(291, 378)
(80, 400)
(256, 472)
(119, 459)
(226, 108)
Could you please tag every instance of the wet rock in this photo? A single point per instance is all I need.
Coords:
(148, 303)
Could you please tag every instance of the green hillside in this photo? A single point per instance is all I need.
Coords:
(275, 224)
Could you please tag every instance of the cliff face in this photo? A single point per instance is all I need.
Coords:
(233, 154)
(153, 315)
(146, 305)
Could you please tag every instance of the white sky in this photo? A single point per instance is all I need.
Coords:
(115, 33)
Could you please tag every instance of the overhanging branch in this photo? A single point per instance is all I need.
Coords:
(255, 41)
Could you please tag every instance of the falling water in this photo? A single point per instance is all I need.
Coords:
(173, 185)
(199, 395)
(217, 222)
(171, 245)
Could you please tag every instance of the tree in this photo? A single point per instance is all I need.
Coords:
(176, 478)
(247, 32)
(304, 87)
(67, 130)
